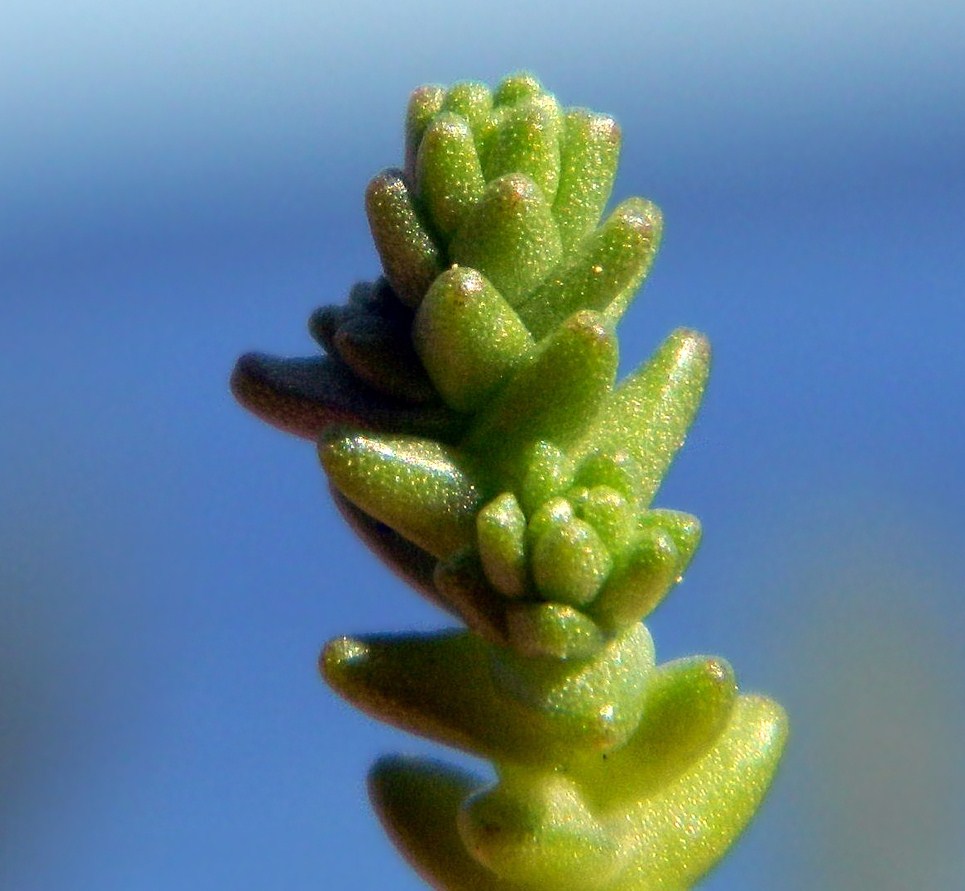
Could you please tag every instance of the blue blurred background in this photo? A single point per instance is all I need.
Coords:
(180, 182)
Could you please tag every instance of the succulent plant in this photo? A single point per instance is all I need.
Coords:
(469, 418)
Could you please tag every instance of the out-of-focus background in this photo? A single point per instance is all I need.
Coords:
(180, 182)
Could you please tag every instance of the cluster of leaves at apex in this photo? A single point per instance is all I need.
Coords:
(468, 416)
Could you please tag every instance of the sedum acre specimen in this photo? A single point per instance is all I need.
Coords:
(469, 418)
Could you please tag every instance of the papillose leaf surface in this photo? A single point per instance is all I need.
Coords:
(475, 436)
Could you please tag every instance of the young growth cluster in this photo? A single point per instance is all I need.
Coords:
(470, 422)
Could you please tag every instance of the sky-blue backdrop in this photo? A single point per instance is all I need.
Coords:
(180, 182)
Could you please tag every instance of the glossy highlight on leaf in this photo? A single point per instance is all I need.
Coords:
(475, 436)
(417, 487)
(469, 338)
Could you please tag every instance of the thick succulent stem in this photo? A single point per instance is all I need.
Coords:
(475, 436)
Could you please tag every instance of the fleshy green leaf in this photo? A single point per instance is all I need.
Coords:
(469, 338)
(650, 413)
(420, 488)
(471, 100)
(410, 257)
(547, 473)
(617, 470)
(683, 528)
(527, 140)
(687, 707)
(553, 396)
(501, 534)
(439, 686)
(535, 829)
(510, 236)
(517, 88)
(570, 561)
(590, 151)
(686, 826)
(639, 583)
(423, 104)
(601, 273)
(450, 180)
(552, 629)
(593, 703)
(608, 512)
(553, 512)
